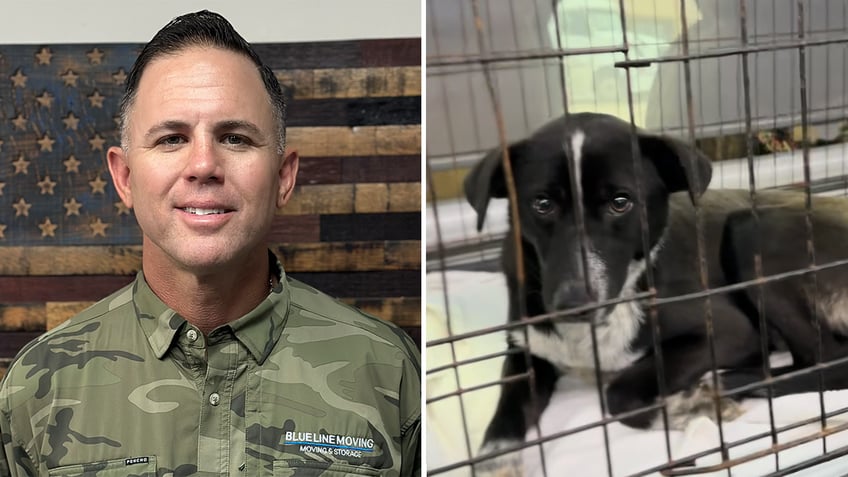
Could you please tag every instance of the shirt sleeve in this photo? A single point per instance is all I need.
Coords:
(14, 460)
(410, 403)
(411, 448)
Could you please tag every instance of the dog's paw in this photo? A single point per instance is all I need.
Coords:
(700, 400)
(504, 465)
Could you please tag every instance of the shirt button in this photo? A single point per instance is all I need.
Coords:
(214, 399)
(192, 335)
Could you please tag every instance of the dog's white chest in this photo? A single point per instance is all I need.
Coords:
(571, 345)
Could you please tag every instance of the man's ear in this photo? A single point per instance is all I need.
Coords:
(120, 171)
(486, 180)
(680, 166)
(288, 177)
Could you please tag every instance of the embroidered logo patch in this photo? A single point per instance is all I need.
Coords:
(329, 444)
(136, 460)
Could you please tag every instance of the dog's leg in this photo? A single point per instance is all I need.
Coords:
(517, 411)
(792, 321)
(686, 360)
(787, 310)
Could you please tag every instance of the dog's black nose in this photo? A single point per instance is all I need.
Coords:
(570, 295)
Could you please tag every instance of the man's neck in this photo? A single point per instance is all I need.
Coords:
(209, 300)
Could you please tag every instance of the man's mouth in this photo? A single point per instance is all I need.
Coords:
(197, 211)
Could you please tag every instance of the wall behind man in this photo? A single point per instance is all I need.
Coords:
(93, 21)
(353, 79)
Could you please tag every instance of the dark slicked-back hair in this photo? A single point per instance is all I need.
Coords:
(209, 29)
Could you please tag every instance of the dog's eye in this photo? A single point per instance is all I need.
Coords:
(543, 205)
(620, 204)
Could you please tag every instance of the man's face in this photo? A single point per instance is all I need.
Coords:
(201, 167)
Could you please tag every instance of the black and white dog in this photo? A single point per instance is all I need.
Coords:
(595, 153)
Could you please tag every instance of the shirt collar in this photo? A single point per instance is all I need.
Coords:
(258, 330)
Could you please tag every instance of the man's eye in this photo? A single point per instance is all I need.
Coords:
(172, 140)
(234, 140)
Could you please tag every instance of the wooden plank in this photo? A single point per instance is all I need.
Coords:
(74, 260)
(295, 229)
(354, 112)
(356, 141)
(325, 83)
(341, 54)
(28, 262)
(351, 256)
(17, 290)
(319, 170)
(390, 283)
(354, 198)
(23, 318)
(381, 169)
(402, 311)
(12, 342)
(360, 227)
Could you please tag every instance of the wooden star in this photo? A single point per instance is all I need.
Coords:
(72, 207)
(46, 185)
(2, 231)
(96, 99)
(21, 165)
(98, 228)
(21, 208)
(97, 142)
(2, 185)
(72, 164)
(19, 79)
(120, 76)
(20, 122)
(45, 100)
(122, 208)
(48, 228)
(98, 185)
(43, 56)
(46, 143)
(95, 56)
(70, 78)
(71, 121)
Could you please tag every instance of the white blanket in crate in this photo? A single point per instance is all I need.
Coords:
(476, 300)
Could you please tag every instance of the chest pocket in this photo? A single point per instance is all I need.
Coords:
(130, 467)
(287, 468)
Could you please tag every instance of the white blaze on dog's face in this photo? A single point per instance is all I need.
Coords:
(587, 177)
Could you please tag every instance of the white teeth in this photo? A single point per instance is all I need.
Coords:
(196, 211)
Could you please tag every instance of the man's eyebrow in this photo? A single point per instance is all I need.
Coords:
(170, 125)
(235, 124)
(228, 125)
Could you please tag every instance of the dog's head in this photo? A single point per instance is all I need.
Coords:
(595, 153)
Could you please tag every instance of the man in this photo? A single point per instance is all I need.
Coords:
(212, 362)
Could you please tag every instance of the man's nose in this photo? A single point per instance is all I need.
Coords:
(204, 162)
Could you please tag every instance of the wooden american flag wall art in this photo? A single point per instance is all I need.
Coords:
(352, 228)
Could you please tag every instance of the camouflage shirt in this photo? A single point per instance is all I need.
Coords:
(301, 385)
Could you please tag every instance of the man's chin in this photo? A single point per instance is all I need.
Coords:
(201, 258)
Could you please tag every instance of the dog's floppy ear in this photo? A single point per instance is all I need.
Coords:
(679, 165)
(486, 180)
